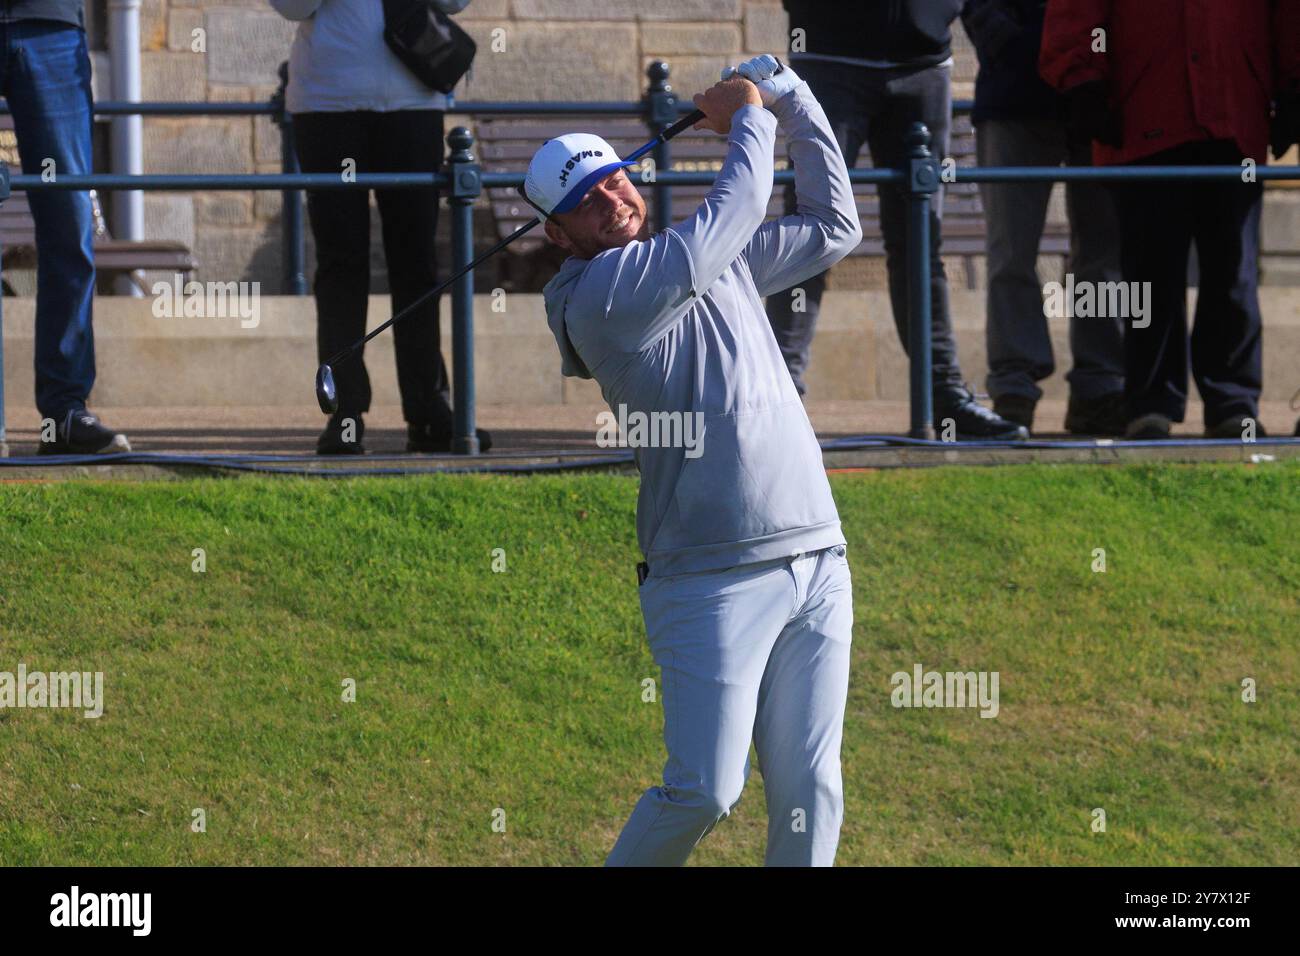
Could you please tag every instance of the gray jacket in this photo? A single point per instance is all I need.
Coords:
(676, 324)
(339, 61)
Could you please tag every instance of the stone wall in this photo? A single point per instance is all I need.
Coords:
(176, 362)
(528, 50)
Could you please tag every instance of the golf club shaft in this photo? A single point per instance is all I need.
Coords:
(686, 122)
(683, 124)
(340, 356)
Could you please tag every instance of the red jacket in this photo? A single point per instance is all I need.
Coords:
(1178, 71)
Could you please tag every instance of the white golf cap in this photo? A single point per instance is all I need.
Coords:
(566, 167)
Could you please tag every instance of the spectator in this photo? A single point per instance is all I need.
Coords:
(1172, 83)
(351, 99)
(877, 68)
(1021, 121)
(47, 85)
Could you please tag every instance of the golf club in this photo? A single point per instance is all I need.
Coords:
(327, 397)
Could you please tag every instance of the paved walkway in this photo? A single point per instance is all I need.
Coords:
(515, 429)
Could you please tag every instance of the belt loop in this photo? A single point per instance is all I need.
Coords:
(642, 572)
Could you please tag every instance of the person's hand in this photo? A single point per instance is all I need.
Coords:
(1092, 115)
(772, 77)
(721, 100)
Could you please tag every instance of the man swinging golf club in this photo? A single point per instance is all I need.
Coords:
(745, 588)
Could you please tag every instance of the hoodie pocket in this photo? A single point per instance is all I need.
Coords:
(712, 502)
(760, 473)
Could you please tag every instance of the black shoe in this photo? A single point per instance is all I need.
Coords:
(81, 433)
(1235, 427)
(1096, 416)
(342, 435)
(1149, 427)
(431, 440)
(1018, 409)
(972, 421)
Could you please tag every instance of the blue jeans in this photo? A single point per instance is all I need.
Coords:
(45, 76)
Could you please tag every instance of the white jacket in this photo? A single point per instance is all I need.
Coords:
(340, 62)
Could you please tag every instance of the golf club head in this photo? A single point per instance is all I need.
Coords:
(326, 397)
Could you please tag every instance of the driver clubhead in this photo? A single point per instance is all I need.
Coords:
(326, 396)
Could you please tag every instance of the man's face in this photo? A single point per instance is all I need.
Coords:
(611, 215)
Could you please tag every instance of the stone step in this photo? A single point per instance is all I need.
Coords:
(268, 358)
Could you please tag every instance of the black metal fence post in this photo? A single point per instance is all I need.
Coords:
(466, 185)
(922, 181)
(295, 278)
(660, 113)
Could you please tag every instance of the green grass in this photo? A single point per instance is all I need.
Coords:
(522, 690)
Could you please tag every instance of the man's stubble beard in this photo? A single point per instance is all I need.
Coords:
(595, 249)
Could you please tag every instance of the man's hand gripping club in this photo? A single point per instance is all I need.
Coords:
(760, 81)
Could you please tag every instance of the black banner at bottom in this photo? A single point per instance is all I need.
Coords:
(337, 905)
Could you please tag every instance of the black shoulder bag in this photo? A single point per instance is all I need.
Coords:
(428, 43)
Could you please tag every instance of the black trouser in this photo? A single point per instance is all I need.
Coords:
(399, 141)
(1017, 334)
(1158, 223)
(878, 107)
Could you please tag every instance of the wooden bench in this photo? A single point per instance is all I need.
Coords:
(507, 144)
(113, 257)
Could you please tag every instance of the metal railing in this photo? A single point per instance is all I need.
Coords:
(464, 181)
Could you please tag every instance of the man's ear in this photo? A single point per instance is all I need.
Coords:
(557, 235)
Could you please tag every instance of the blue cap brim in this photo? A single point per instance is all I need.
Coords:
(574, 195)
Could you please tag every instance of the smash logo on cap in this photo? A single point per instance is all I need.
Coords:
(574, 160)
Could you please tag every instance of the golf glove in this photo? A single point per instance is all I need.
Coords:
(772, 77)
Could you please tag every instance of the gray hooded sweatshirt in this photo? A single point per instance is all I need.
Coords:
(676, 324)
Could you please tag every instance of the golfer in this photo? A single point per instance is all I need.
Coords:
(745, 586)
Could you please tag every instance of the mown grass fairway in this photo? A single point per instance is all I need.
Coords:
(522, 690)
